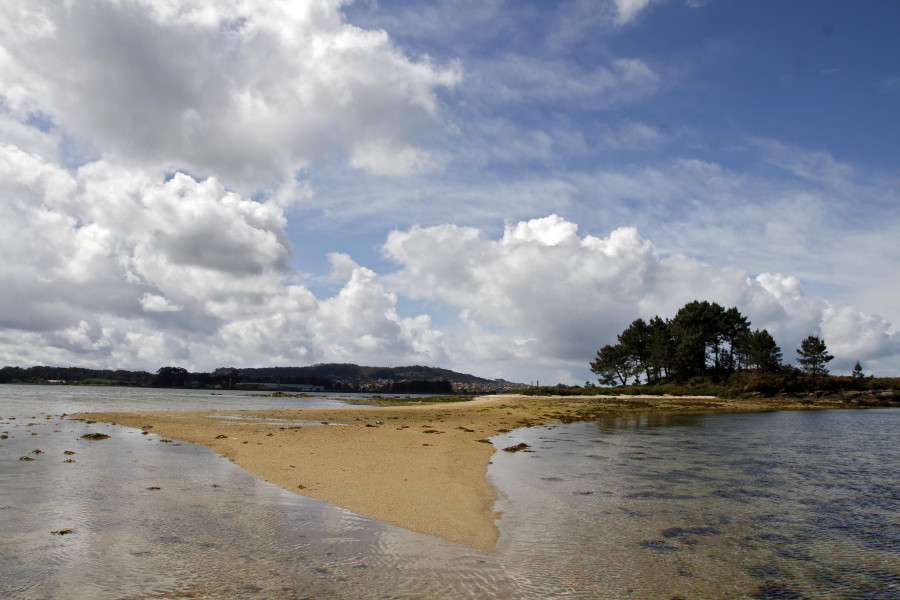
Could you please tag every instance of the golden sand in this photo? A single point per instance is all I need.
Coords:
(421, 467)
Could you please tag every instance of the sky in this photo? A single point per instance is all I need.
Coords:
(488, 186)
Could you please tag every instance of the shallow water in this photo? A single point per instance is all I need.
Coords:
(164, 519)
(769, 505)
(766, 505)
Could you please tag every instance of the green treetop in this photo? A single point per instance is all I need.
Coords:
(702, 339)
(813, 356)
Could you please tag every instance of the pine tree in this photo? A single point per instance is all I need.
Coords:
(635, 343)
(758, 350)
(813, 356)
(613, 365)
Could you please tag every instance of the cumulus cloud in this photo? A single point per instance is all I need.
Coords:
(114, 266)
(543, 291)
(540, 278)
(246, 91)
(362, 321)
(150, 149)
(109, 266)
(853, 335)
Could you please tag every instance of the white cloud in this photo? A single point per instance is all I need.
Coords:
(549, 231)
(113, 266)
(852, 335)
(544, 292)
(830, 226)
(628, 10)
(245, 91)
(110, 263)
(153, 303)
(362, 321)
(381, 157)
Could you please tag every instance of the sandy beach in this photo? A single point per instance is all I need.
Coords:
(419, 466)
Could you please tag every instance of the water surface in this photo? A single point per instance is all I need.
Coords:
(802, 504)
(768, 505)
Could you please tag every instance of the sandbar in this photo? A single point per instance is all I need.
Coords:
(420, 466)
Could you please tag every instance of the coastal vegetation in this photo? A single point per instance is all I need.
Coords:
(702, 340)
(706, 349)
(792, 382)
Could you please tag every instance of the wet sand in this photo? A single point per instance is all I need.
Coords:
(420, 466)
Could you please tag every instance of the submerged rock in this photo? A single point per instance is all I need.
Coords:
(517, 448)
(95, 436)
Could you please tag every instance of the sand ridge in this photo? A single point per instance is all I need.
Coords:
(422, 467)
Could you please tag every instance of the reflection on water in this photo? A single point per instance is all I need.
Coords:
(153, 519)
(774, 505)
(27, 399)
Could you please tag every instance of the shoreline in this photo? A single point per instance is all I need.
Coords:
(422, 467)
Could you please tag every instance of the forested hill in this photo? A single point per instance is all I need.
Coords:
(355, 374)
(351, 372)
(336, 377)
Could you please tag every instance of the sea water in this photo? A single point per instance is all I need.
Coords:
(756, 505)
(789, 504)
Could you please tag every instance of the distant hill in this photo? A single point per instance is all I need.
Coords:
(334, 377)
(344, 375)
(351, 372)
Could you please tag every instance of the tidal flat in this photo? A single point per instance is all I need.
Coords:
(632, 503)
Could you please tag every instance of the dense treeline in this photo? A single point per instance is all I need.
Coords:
(703, 339)
(707, 349)
(351, 373)
(40, 374)
(352, 378)
(164, 377)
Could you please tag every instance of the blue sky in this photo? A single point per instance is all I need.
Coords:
(493, 187)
